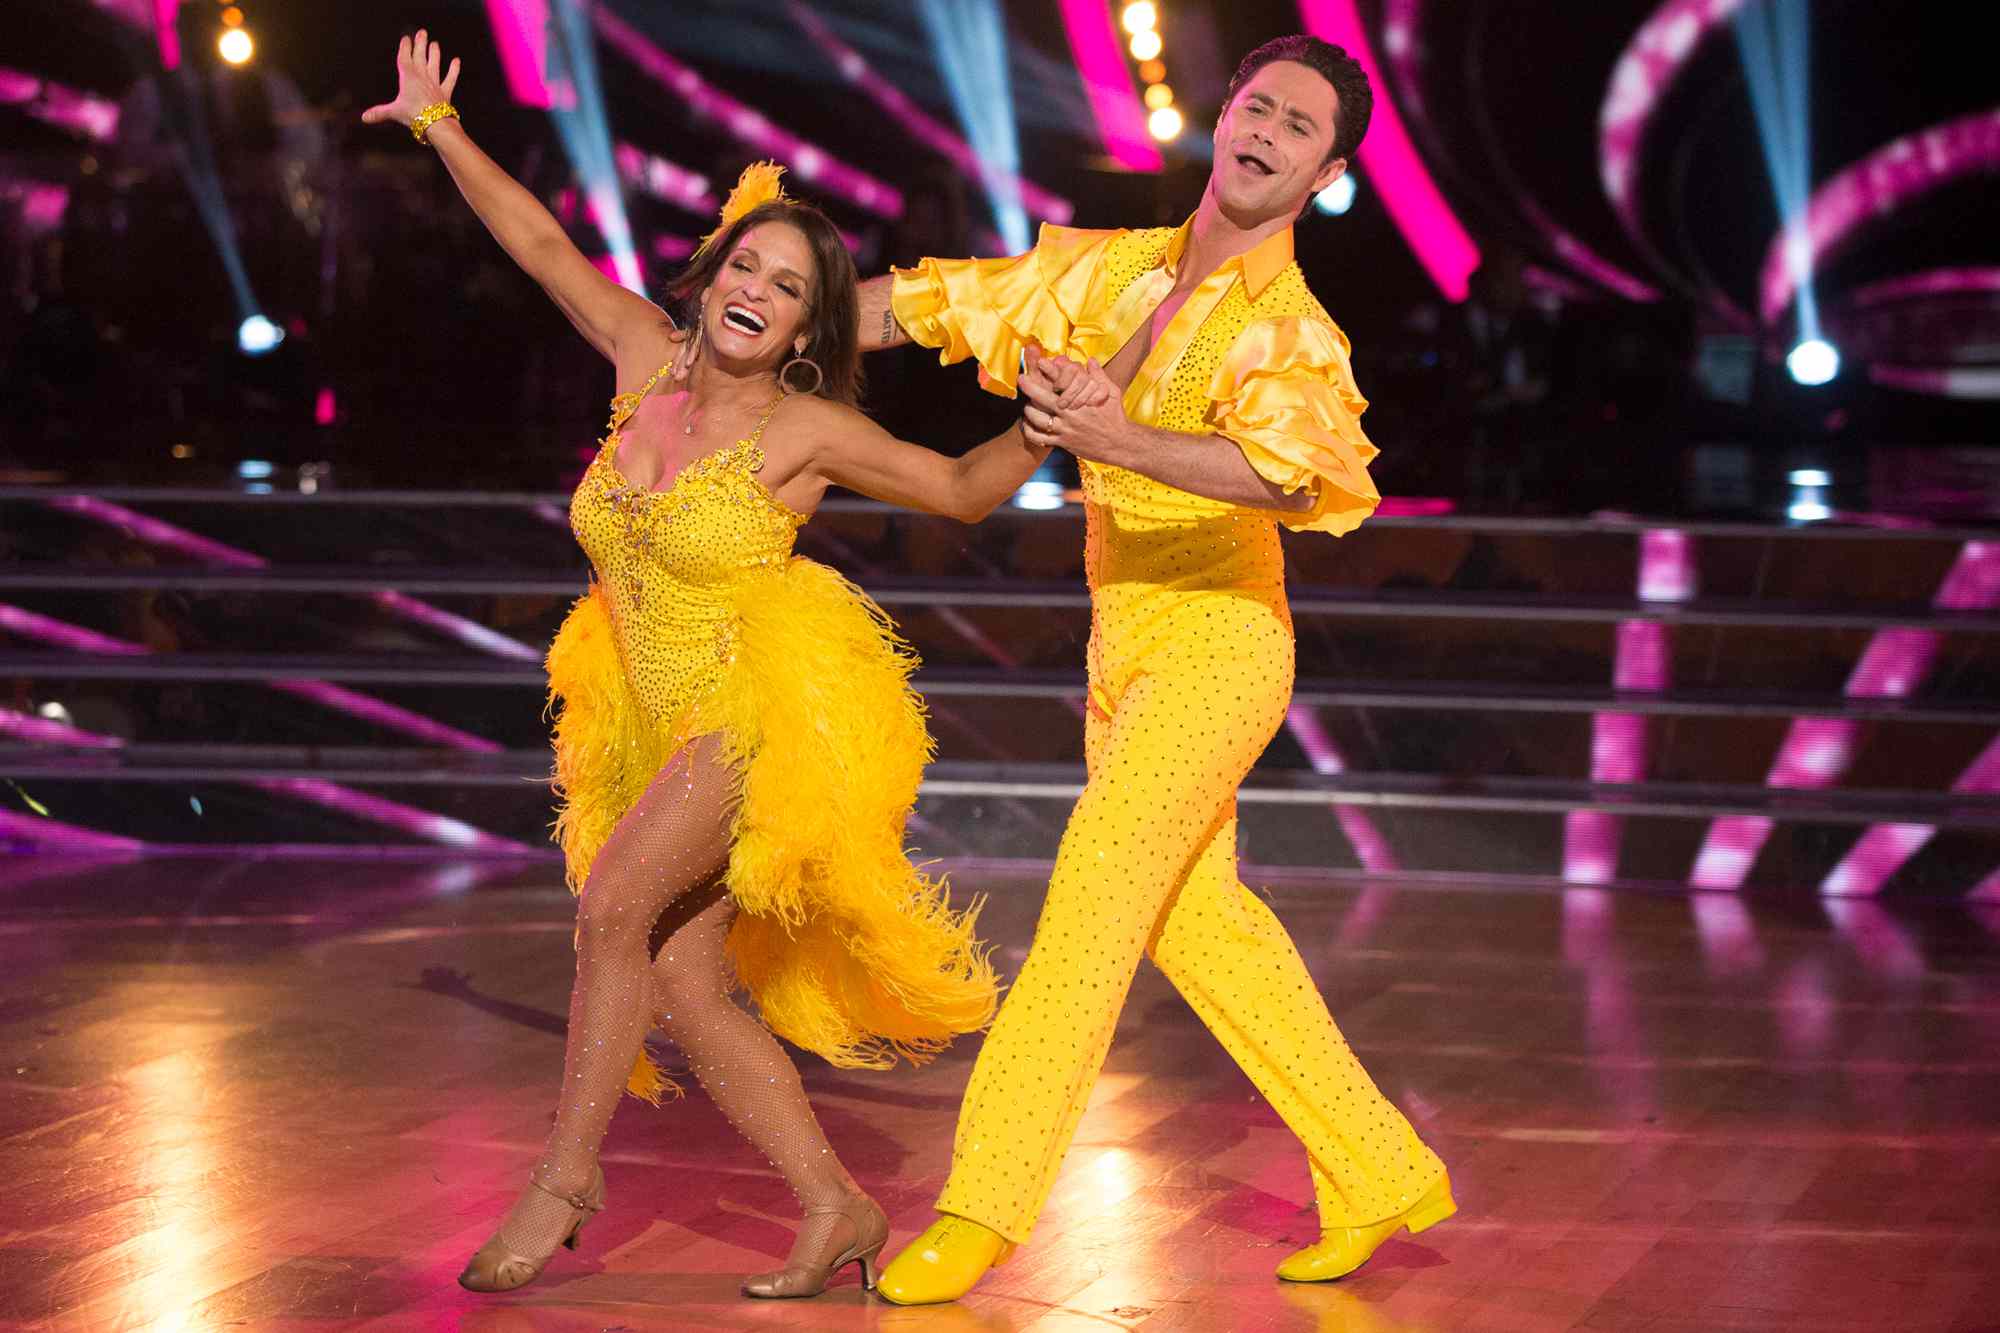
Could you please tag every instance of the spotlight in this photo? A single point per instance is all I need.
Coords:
(1140, 16)
(1159, 95)
(1146, 44)
(232, 17)
(1036, 494)
(1152, 71)
(1336, 198)
(236, 46)
(1810, 476)
(1164, 124)
(258, 335)
(1813, 362)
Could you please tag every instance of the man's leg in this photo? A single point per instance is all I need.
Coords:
(1163, 773)
(1237, 968)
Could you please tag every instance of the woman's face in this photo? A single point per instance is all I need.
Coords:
(757, 306)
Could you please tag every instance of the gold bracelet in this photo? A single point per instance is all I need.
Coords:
(429, 116)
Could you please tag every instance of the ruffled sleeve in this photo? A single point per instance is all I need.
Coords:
(990, 309)
(1285, 395)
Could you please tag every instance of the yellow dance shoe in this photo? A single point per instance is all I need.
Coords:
(943, 1263)
(1341, 1250)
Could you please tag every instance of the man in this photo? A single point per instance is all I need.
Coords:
(1213, 397)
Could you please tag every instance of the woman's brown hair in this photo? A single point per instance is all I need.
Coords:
(832, 329)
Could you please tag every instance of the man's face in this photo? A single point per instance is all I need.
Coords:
(1271, 144)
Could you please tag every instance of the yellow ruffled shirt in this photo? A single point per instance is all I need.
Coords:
(1252, 356)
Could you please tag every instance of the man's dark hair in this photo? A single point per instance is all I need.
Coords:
(1356, 100)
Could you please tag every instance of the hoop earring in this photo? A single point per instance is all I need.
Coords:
(785, 375)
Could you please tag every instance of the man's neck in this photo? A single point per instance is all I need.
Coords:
(1214, 239)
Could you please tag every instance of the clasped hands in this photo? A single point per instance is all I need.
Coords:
(1073, 406)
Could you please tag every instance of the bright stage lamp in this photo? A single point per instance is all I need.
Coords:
(1140, 16)
(1813, 362)
(1159, 95)
(258, 335)
(1336, 198)
(236, 46)
(1146, 45)
(1164, 124)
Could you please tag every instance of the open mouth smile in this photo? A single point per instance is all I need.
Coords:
(744, 319)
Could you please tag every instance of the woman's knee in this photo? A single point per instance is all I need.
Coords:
(617, 907)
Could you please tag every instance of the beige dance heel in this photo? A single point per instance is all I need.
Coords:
(497, 1268)
(809, 1278)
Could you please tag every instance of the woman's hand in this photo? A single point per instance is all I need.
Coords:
(418, 84)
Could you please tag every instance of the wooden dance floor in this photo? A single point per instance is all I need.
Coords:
(295, 1096)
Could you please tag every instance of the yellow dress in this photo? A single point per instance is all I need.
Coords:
(1191, 663)
(701, 620)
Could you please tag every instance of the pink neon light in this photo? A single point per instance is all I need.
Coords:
(1107, 82)
(1975, 382)
(521, 32)
(1816, 752)
(1877, 185)
(854, 67)
(376, 809)
(807, 162)
(1412, 198)
(384, 714)
(1648, 66)
(673, 249)
(46, 731)
(1370, 847)
(23, 832)
(666, 180)
(1642, 664)
(324, 406)
(167, 536)
(59, 105)
(1937, 282)
(1987, 890)
(166, 23)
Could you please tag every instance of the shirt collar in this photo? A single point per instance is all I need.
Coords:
(1258, 265)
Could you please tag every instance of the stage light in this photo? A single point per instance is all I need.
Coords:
(1152, 71)
(1164, 124)
(236, 46)
(1159, 95)
(1140, 16)
(232, 17)
(1810, 476)
(1146, 45)
(1338, 197)
(258, 335)
(255, 469)
(970, 43)
(1039, 495)
(1813, 362)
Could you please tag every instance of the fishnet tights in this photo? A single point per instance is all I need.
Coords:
(662, 867)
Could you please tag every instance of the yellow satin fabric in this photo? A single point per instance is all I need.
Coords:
(1191, 668)
(1251, 356)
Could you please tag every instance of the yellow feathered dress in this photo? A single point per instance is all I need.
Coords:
(701, 620)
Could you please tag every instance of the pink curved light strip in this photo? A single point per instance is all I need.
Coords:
(1888, 178)
(1619, 742)
(1936, 282)
(747, 126)
(1107, 82)
(1817, 751)
(1645, 69)
(854, 67)
(1397, 173)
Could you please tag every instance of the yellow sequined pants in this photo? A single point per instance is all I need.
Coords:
(1148, 864)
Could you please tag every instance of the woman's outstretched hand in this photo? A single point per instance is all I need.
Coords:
(418, 83)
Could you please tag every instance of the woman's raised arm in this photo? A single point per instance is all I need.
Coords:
(602, 311)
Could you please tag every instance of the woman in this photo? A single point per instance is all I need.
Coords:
(738, 746)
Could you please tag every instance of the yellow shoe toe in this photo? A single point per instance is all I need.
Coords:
(1341, 1250)
(943, 1263)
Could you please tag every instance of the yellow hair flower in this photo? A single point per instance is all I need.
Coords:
(757, 186)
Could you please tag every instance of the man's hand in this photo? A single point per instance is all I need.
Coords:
(1074, 407)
